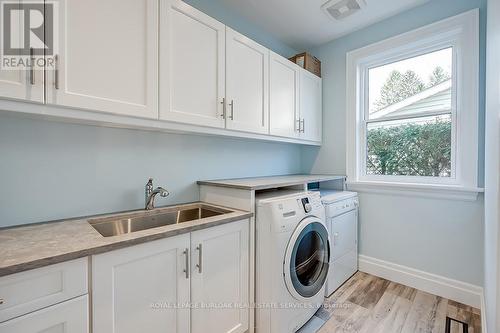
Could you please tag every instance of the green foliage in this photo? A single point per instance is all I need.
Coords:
(438, 75)
(410, 149)
(399, 87)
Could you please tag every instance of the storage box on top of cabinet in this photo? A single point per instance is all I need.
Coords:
(308, 62)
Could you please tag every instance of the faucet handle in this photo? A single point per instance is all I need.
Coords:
(163, 193)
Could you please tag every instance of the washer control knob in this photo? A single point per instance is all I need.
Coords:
(307, 207)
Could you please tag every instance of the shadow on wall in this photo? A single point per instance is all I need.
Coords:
(310, 156)
(76, 170)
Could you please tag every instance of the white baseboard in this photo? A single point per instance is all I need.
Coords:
(458, 291)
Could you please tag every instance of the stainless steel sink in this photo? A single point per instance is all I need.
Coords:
(128, 223)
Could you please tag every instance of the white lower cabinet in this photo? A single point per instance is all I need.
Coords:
(148, 287)
(66, 317)
(220, 277)
(139, 288)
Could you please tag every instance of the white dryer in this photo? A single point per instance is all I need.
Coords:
(341, 209)
(292, 258)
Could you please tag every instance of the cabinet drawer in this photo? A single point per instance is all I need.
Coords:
(28, 291)
(67, 317)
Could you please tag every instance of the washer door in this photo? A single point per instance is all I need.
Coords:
(307, 259)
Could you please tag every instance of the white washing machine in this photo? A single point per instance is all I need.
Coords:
(292, 258)
(341, 210)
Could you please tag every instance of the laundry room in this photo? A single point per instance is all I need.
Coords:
(235, 166)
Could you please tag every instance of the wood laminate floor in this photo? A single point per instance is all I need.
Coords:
(369, 304)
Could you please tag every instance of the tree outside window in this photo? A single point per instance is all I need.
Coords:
(409, 124)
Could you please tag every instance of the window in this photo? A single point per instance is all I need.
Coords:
(412, 104)
(408, 123)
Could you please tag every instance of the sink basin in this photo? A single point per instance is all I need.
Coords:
(128, 223)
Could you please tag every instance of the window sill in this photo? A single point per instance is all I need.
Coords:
(449, 192)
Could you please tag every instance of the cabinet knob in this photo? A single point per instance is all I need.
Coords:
(1, 301)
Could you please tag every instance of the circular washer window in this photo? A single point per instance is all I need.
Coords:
(308, 258)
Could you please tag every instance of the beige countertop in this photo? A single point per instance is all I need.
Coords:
(33, 246)
(262, 183)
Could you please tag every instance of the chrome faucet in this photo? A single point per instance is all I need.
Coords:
(151, 194)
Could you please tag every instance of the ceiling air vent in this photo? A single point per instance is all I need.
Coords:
(340, 9)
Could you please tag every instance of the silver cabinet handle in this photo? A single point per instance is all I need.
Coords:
(198, 265)
(32, 66)
(56, 71)
(297, 125)
(223, 115)
(232, 110)
(303, 125)
(186, 253)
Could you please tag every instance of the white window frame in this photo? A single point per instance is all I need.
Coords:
(460, 32)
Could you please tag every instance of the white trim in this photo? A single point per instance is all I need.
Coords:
(88, 117)
(484, 326)
(455, 290)
(449, 192)
(460, 32)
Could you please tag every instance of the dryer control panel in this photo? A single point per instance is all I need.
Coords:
(341, 207)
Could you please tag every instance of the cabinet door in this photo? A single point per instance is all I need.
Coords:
(220, 266)
(283, 96)
(66, 317)
(108, 57)
(310, 106)
(140, 288)
(31, 290)
(192, 65)
(23, 84)
(247, 84)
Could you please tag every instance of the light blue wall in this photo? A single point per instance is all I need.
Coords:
(217, 10)
(438, 236)
(52, 170)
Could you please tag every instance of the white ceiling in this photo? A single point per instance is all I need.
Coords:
(302, 24)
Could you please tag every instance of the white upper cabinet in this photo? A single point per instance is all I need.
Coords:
(108, 55)
(220, 275)
(133, 287)
(192, 65)
(283, 96)
(310, 106)
(247, 92)
(22, 84)
(164, 65)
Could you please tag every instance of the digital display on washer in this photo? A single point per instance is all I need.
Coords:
(306, 204)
